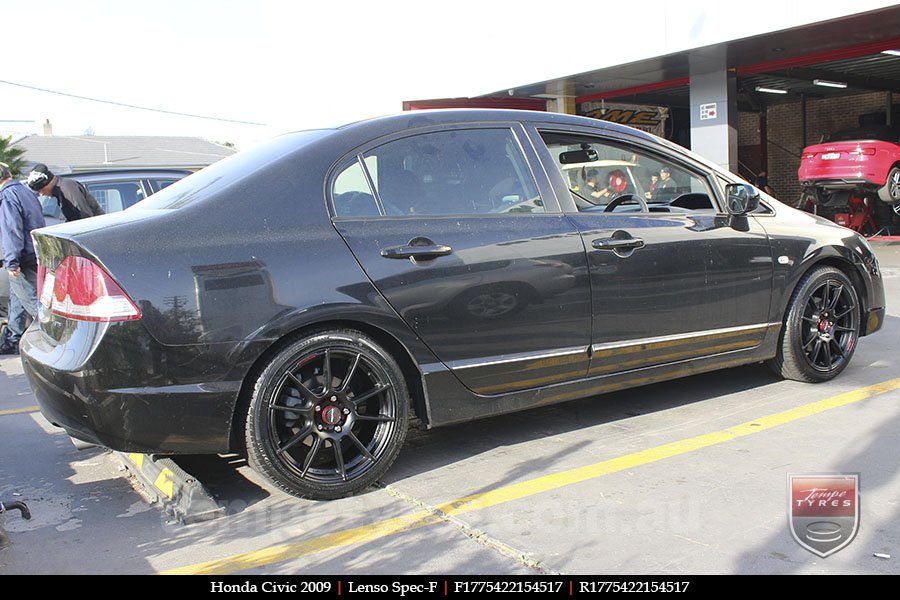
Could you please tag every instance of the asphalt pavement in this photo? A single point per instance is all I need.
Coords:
(688, 476)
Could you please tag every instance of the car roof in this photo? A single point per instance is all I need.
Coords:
(125, 174)
(449, 116)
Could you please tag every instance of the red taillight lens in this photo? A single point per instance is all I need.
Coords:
(864, 151)
(83, 291)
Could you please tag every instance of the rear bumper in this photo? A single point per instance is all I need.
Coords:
(133, 395)
(842, 183)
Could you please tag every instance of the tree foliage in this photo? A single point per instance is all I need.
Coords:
(11, 156)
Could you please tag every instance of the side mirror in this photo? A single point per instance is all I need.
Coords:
(742, 198)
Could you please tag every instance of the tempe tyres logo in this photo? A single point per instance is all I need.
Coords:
(823, 511)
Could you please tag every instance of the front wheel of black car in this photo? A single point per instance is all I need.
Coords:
(821, 328)
(328, 415)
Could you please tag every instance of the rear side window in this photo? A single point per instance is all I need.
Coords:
(468, 171)
(116, 196)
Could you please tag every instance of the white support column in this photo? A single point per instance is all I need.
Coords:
(714, 114)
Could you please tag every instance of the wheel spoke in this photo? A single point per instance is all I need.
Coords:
(293, 409)
(350, 373)
(339, 459)
(825, 294)
(379, 418)
(294, 440)
(845, 313)
(326, 369)
(808, 319)
(836, 298)
(816, 350)
(303, 389)
(317, 443)
(827, 346)
(360, 446)
(842, 328)
(373, 392)
(840, 348)
(810, 342)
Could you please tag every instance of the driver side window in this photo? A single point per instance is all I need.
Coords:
(603, 177)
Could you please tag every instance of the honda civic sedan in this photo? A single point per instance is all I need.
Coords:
(300, 301)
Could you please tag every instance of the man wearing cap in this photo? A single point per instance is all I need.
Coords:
(20, 213)
(75, 201)
(664, 190)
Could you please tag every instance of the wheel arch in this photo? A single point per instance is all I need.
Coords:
(411, 373)
(839, 262)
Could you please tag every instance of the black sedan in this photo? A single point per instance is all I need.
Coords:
(300, 301)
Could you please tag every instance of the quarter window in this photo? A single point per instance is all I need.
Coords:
(352, 194)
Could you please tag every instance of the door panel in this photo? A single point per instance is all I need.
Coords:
(671, 278)
(508, 308)
(466, 242)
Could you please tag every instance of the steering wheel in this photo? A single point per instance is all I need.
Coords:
(615, 202)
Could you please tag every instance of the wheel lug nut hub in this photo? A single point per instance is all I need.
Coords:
(338, 428)
(346, 411)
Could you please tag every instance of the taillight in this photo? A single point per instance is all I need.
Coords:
(863, 152)
(83, 291)
(809, 155)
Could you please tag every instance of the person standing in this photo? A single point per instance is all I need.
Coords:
(20, 214)
(75, 201)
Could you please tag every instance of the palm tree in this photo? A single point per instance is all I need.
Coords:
(11, 156)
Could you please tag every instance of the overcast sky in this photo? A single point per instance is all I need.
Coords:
(294, 65)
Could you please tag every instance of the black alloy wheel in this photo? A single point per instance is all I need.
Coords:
(821, 327)
(328, 415)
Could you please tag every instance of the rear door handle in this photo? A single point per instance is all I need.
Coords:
(420, 248)
(618, 243)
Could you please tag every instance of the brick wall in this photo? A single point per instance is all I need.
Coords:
(786, 131)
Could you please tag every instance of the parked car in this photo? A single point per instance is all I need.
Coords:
(116, 190)
(863, 161)
(295, 302)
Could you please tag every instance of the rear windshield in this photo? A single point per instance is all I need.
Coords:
(228, 171)
(881, 132)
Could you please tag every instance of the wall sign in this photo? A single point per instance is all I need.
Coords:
(651, 119)
(708, 111)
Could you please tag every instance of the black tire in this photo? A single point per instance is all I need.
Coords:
(820, 329)
(322, 439)
(890, 191)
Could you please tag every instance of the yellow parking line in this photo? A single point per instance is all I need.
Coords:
(18, 411)
(524, 489)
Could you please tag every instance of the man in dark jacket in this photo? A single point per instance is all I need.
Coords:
(75, 201)
(20, 214)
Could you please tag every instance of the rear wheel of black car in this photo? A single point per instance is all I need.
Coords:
(328, 415)
(821, 328)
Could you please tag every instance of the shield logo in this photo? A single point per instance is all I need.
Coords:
(824, 511)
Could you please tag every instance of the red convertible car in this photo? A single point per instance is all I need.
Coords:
(863, 161)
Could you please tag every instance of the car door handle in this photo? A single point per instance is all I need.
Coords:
(417, 249)
(618, 243)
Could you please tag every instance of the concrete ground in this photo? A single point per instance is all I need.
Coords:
(687, 476)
